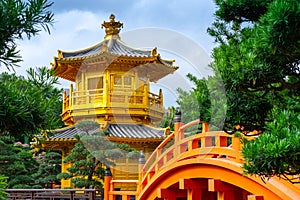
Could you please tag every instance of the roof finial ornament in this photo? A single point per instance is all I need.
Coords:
(112, 17)
(112, 27)
(154, 51)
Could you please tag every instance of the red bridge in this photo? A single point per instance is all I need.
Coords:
(206, 166)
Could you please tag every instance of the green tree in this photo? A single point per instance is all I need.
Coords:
(276, 151)
(91, 154)
(195, 104)
(206, 101)
(50, 167)
(257, 58)
(30, 105)
(17, 163)
(86, 170)
(168, 118)
(21, 19)
(3, 186)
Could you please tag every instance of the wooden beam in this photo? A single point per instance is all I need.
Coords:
(170, 193)
(216, 185)
(185, 184)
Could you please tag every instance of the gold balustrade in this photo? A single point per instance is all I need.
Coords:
(142, 102)
(97, 96)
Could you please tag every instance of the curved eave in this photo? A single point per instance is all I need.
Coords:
(153, 66)
(135, 140)
(58, 144)
(61, 140)
(48, 142)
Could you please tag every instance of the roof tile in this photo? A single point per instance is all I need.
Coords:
(134, 131)
(114, 46)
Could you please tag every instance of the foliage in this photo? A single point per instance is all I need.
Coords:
(17, 163)
(18, 19)
(3, 186)
(85, 168)
(257, 58)
(90, 155)
(30, 105)
(168, 118)
(48, 170)
(194, 104)
(276, 151)
(206, 101)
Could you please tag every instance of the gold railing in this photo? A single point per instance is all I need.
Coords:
(100, 98)
(87, 97)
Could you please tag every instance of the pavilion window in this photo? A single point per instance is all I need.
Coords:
(127, 81)
(122, 81)
(118, 81)
(95, 83)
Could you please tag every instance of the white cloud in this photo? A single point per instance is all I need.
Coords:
(72, 30)
(78, 29)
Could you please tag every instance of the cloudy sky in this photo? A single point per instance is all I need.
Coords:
(78, 25)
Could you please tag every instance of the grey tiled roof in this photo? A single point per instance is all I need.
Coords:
(114, 46)
(66, 133)
(133, 131)
(137, 131)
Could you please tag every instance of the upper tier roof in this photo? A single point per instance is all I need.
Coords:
(112, 45)
(112, 49)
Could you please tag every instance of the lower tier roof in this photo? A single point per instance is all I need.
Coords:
(118, 131)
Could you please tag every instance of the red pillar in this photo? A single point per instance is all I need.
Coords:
(107, 179)
(177, 121)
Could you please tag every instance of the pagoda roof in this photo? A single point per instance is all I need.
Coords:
(116, 132)
(112, 49)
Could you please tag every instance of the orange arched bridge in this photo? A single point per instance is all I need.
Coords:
(206, 166)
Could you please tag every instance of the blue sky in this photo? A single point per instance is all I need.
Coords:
(78, 25)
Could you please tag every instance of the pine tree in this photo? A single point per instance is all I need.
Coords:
(91, 154)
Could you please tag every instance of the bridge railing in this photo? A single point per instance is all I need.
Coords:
(176, 148)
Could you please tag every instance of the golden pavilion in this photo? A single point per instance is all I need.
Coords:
(111, 85)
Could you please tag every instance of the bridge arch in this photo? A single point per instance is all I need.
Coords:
(219, 175)
(207, 165)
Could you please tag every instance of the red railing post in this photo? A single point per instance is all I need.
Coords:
(205, 127)
(177, 125)
(178, 133)
(107, 180)
(142, 162)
